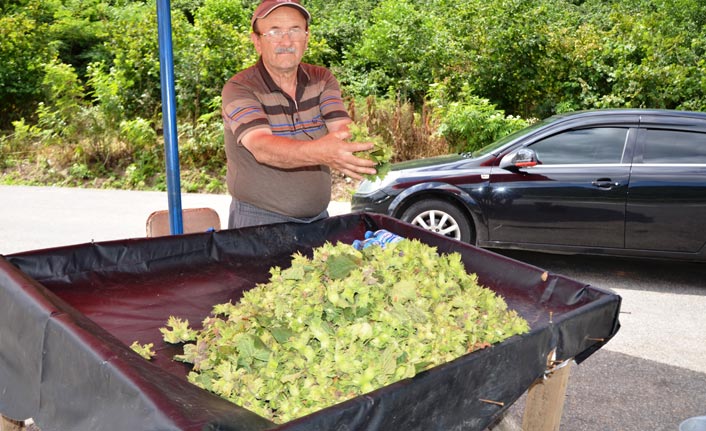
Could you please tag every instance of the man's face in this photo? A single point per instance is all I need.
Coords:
(281, 54)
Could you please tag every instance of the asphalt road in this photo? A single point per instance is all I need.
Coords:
(650, 377)
(33, 218)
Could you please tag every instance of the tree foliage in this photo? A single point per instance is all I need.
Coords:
(23, 52)
(85, 73)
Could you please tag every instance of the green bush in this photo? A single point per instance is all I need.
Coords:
(472, 122)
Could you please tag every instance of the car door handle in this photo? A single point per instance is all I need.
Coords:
(605, 183)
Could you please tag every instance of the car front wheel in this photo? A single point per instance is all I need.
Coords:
(440, 217)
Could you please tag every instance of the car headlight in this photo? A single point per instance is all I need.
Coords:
(367, 187)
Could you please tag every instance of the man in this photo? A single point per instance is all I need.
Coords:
(285, 126)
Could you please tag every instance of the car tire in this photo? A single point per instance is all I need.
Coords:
(441, 217)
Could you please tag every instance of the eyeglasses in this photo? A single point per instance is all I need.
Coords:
(295, 34)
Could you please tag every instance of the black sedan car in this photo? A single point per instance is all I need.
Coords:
(613, 182)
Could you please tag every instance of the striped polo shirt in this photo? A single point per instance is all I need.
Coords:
(252, 100)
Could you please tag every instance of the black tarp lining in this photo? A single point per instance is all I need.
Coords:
(69, 314)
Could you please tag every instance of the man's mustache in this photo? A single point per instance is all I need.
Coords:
(285, 50)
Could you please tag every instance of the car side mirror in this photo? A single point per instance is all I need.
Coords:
(522, 158)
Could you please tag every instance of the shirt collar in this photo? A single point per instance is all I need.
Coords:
(302, 77)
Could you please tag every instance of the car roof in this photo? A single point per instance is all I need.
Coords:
(629, 111)
(643, 117)
(619, 116)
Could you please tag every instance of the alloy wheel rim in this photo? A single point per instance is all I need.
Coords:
(439, 222)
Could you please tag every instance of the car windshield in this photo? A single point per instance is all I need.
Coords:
(504, 140)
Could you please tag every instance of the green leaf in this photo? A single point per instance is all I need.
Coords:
(293, 273)
(388, 361)
(281, 334)
(404, 290)
(338, 267)
(179, 332)
(144, 350)
(381, 153)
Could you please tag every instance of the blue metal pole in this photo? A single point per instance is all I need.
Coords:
(171, 145)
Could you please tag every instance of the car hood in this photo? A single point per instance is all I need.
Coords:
(434, 162)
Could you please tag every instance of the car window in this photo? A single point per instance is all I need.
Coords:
(670, 146)
(505, 139)
(584, 146)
